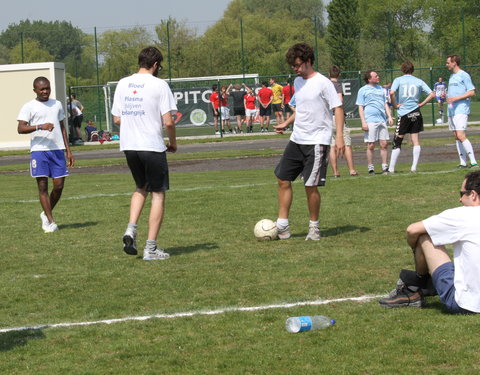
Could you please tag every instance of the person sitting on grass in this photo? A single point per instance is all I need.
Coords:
(457, 283)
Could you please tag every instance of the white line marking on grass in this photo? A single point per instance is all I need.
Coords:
(194, 313)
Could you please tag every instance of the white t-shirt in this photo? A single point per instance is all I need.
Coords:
(140, 101)
(36, 113)
(461, 227)
(315, 99)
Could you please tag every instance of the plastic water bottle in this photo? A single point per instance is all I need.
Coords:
(307, 323)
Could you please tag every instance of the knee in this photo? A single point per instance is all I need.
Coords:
(397, 142)
(282, 184)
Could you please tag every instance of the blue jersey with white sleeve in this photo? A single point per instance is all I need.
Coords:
(373, 100)
(458, 84)
(408, 90)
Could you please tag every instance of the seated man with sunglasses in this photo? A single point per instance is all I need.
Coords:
(457, 283)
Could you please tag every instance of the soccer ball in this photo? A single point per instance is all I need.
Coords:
(265, 230)
(439, 121)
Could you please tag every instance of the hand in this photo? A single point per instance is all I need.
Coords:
(48, 126)
(280, 128)
(340, 146)
(70, 159)
(171, 147)
(390, 121)
(364, 126)
(450, 100)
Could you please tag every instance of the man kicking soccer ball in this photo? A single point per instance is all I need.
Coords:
(457, 283)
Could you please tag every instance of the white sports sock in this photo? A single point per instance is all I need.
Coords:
(151, 245)
(469, 150)
(313, 223)
(282, 223)
(393, 159)
(416, 156)
(462, 154)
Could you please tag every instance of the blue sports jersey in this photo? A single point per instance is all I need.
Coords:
(458, 84)
(408, 90)
(373, 100)
(440, 88)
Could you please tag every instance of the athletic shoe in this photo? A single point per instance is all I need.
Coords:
(371, 171)
(313, 233)
(130, 242)
(473, 165)
(413, 171)
(284, 234)
(217, 133)
(52, 227)
(155, 254)
(45, 222)
(402, 296)
(386, 171)
(461, 166)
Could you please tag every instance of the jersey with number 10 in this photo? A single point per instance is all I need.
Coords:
(408, 89)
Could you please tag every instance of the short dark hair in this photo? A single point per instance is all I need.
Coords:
(149, 56)
(265, 83)
(302, 51)
(407, 67)
(214, 87)
(455, 58)
(334, 71)
(473, 181)
(367, 75)
(37, 80)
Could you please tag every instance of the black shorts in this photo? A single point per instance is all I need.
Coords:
(277, 107)
(149, 170)
(309, 160)
(287, 108)
(266, 111)
(239, 111)
(410, 123)
(77, 121)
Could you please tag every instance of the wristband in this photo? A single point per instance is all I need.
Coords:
(41, 127)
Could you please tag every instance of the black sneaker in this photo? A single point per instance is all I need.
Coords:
(130, 242)
(371, 171)
(403, 297)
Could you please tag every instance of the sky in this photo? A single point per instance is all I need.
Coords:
(118, 14)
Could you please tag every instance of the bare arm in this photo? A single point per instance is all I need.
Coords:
(361, 113)
(389, 114)
(116, 120)
(467, 95)
(427, 99)
(25, 128)
(280, 127)
(70, 159)
(414, 231)
(339, 124)
(169, 125)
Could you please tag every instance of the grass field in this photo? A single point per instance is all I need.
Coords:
(202, 295)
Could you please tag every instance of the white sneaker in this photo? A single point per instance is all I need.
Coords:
(284, 233)
(217, 133)
(313, 233)
(130, 242)
(156, 254)
(45, 222)
(52, 227)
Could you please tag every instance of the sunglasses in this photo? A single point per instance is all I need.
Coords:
(463, 192)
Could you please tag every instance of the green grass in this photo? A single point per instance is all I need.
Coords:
(80, 273)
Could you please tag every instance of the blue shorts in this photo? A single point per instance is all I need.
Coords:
(440, 99)
(48, 164)
(442, 279)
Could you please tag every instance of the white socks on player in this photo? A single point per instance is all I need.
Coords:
(462, 153)
(416, 156)
(467, 146)
(282, 223)
(393, 159)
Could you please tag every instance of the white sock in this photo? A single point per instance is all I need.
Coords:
(393, 159)
(469, 150)
(282, 223)
(151, 245)
(462, 154)
(416, 156)
(313, 223)
(384, 166)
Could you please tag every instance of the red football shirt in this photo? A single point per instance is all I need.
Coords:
(286, 93)
(265, 94)
(214, 99)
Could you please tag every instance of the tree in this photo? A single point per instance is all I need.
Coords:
(119, 50)
(180, 38)
(32, 52)
(343, 33)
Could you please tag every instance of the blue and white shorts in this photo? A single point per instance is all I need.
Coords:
(48, 164)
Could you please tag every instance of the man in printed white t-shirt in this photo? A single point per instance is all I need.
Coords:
(307, 151)
(143, 106)
(43, 118)
(457, 283)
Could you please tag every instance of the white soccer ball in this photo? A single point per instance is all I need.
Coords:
(439, 121)
(265, 230)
